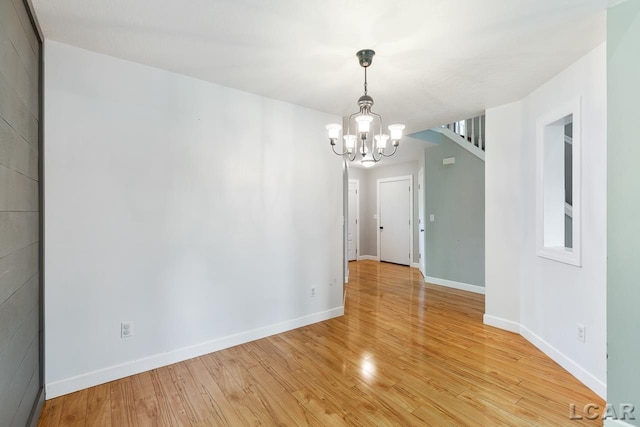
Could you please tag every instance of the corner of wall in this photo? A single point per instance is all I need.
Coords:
(503, 216)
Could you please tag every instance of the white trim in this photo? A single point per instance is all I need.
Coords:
(461, 141)
(346, 279)
(415, 265)
(500, 323)
(422, 217)
(596, 385)
(368, 257)
(616, 423)
(571, 256)
(357, 182)
(456, 285)
(111, 373)
(599, 387)
(391, 179)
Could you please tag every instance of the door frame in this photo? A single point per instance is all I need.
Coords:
(391, 179)
(357, 182)
(38, 405)
(422, 236)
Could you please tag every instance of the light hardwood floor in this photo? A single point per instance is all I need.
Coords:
(404, 353)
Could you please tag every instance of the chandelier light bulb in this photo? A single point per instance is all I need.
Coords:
(364, 123)
(381, 141)
(349, 142)
(396, 132)
(333, 129)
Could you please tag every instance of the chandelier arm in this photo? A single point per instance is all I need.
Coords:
(390, 154)
(373, 147)
(333, 147)
(373, 155)
(349, 122)
(379, 120)
(352, 156)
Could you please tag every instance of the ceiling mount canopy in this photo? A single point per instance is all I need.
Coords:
(368, 138)
(365, 56)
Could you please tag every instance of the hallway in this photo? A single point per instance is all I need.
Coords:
(404, 353)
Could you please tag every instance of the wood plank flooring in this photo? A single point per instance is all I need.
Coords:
(404, 353)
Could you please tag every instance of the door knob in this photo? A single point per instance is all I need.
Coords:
(381, 228)
(422, 230)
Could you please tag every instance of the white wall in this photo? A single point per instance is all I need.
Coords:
(183, 206)
(503, 216)
(553, 297)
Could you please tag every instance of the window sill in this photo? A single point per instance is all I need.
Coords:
(561, 254)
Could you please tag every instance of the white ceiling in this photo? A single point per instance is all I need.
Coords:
(436, 60)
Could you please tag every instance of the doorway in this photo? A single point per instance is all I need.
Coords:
(353, 228)
(421, 226)
(395, 207)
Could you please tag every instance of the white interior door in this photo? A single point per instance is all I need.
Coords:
(352, 229)
(394, 220)
(421, 215)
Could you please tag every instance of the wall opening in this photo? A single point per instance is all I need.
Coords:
(558, 182)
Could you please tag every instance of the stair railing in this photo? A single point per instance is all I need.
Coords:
(472, 130)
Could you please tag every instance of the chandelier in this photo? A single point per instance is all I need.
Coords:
(368, 138)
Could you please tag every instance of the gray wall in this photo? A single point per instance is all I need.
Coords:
(454, 248)
(623, 204)
(368, 202)
(19, 216)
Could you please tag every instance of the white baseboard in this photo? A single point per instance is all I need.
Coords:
(616, 423)
(498, 322)
(375, 258)
(599, 387)
(456, 285)
(111, 373)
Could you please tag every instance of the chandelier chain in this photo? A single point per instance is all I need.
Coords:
(365, 80)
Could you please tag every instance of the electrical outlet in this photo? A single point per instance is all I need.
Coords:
(581, 333)
(313, 292)
(126, 329)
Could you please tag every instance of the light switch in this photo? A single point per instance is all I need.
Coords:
(432, 217)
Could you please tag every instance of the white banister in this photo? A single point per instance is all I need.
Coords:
(461, 128)
(473, 134)
(471, 140)
(480, 143)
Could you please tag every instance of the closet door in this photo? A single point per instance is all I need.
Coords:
(20, 284)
